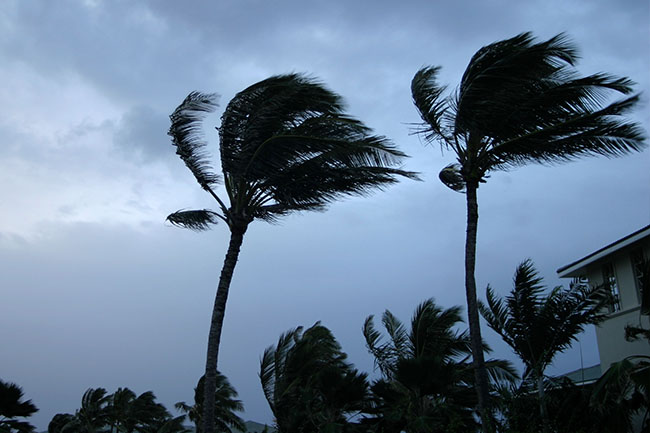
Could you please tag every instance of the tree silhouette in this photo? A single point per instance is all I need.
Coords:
(537, 326)
(286, 145)
(12, 406)
(309, 384)
(226, 406)
(519, 102)
(427, 382)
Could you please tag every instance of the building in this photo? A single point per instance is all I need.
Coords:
(620, 266)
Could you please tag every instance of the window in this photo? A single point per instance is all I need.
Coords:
(609, 279)
(638, 265)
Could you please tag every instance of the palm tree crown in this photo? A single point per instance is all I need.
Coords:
(538, 326)
(520, 102)
(285, 145)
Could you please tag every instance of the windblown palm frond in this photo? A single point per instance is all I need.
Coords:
(187, 136)
(198, 220)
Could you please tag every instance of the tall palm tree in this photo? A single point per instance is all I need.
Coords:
(309, 385)
(12, 406)
(538, 327)
(427, 382)
(519, 102)
(226, 406)
(285, 145)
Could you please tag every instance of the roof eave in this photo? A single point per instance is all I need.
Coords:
(578, 267)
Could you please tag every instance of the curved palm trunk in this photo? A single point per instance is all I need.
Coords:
(218, 313)
(478, 361)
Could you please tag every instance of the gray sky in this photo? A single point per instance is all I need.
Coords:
(96, 290)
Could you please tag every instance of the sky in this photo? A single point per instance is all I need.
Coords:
(97, 290)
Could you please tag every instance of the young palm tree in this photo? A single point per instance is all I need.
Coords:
(427, 379)
(537, 326)
(286, 145)
(92, 416)
(226, 406)
(12, 407)
(519, 101)
(309, 384)
(128, 413)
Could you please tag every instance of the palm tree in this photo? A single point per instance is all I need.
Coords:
(61, 423)
(121, 411)
(309, 384)
(536, 326)
(519, 101)
(127, 413)
(286, 145)
(12, 407)
(93, 413)
(226, 406)
(427, 382)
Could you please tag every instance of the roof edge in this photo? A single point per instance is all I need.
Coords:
(567, 270)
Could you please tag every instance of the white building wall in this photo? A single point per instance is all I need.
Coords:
(610, 335)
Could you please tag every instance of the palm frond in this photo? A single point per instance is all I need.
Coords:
(603, 132)
(502, 73)
(197, 220)
(187, 136)
(384, 354)
(397, 333)
(428, 99)
(267, 109)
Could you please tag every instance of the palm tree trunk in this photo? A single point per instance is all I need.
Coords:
(480, 373)
(218, 313)
(542, 403)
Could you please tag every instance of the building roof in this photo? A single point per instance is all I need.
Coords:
(583, 376)
(577, 268)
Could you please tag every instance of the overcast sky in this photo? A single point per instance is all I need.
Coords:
(96, 290)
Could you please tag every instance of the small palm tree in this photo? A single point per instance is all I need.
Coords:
(286, 145)
(127, 412)
(427, 382)
(538, 327)
(92, 416)
(61, 423)
(12, 406)
(519, 102)
(226, 406)
(309, 384)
